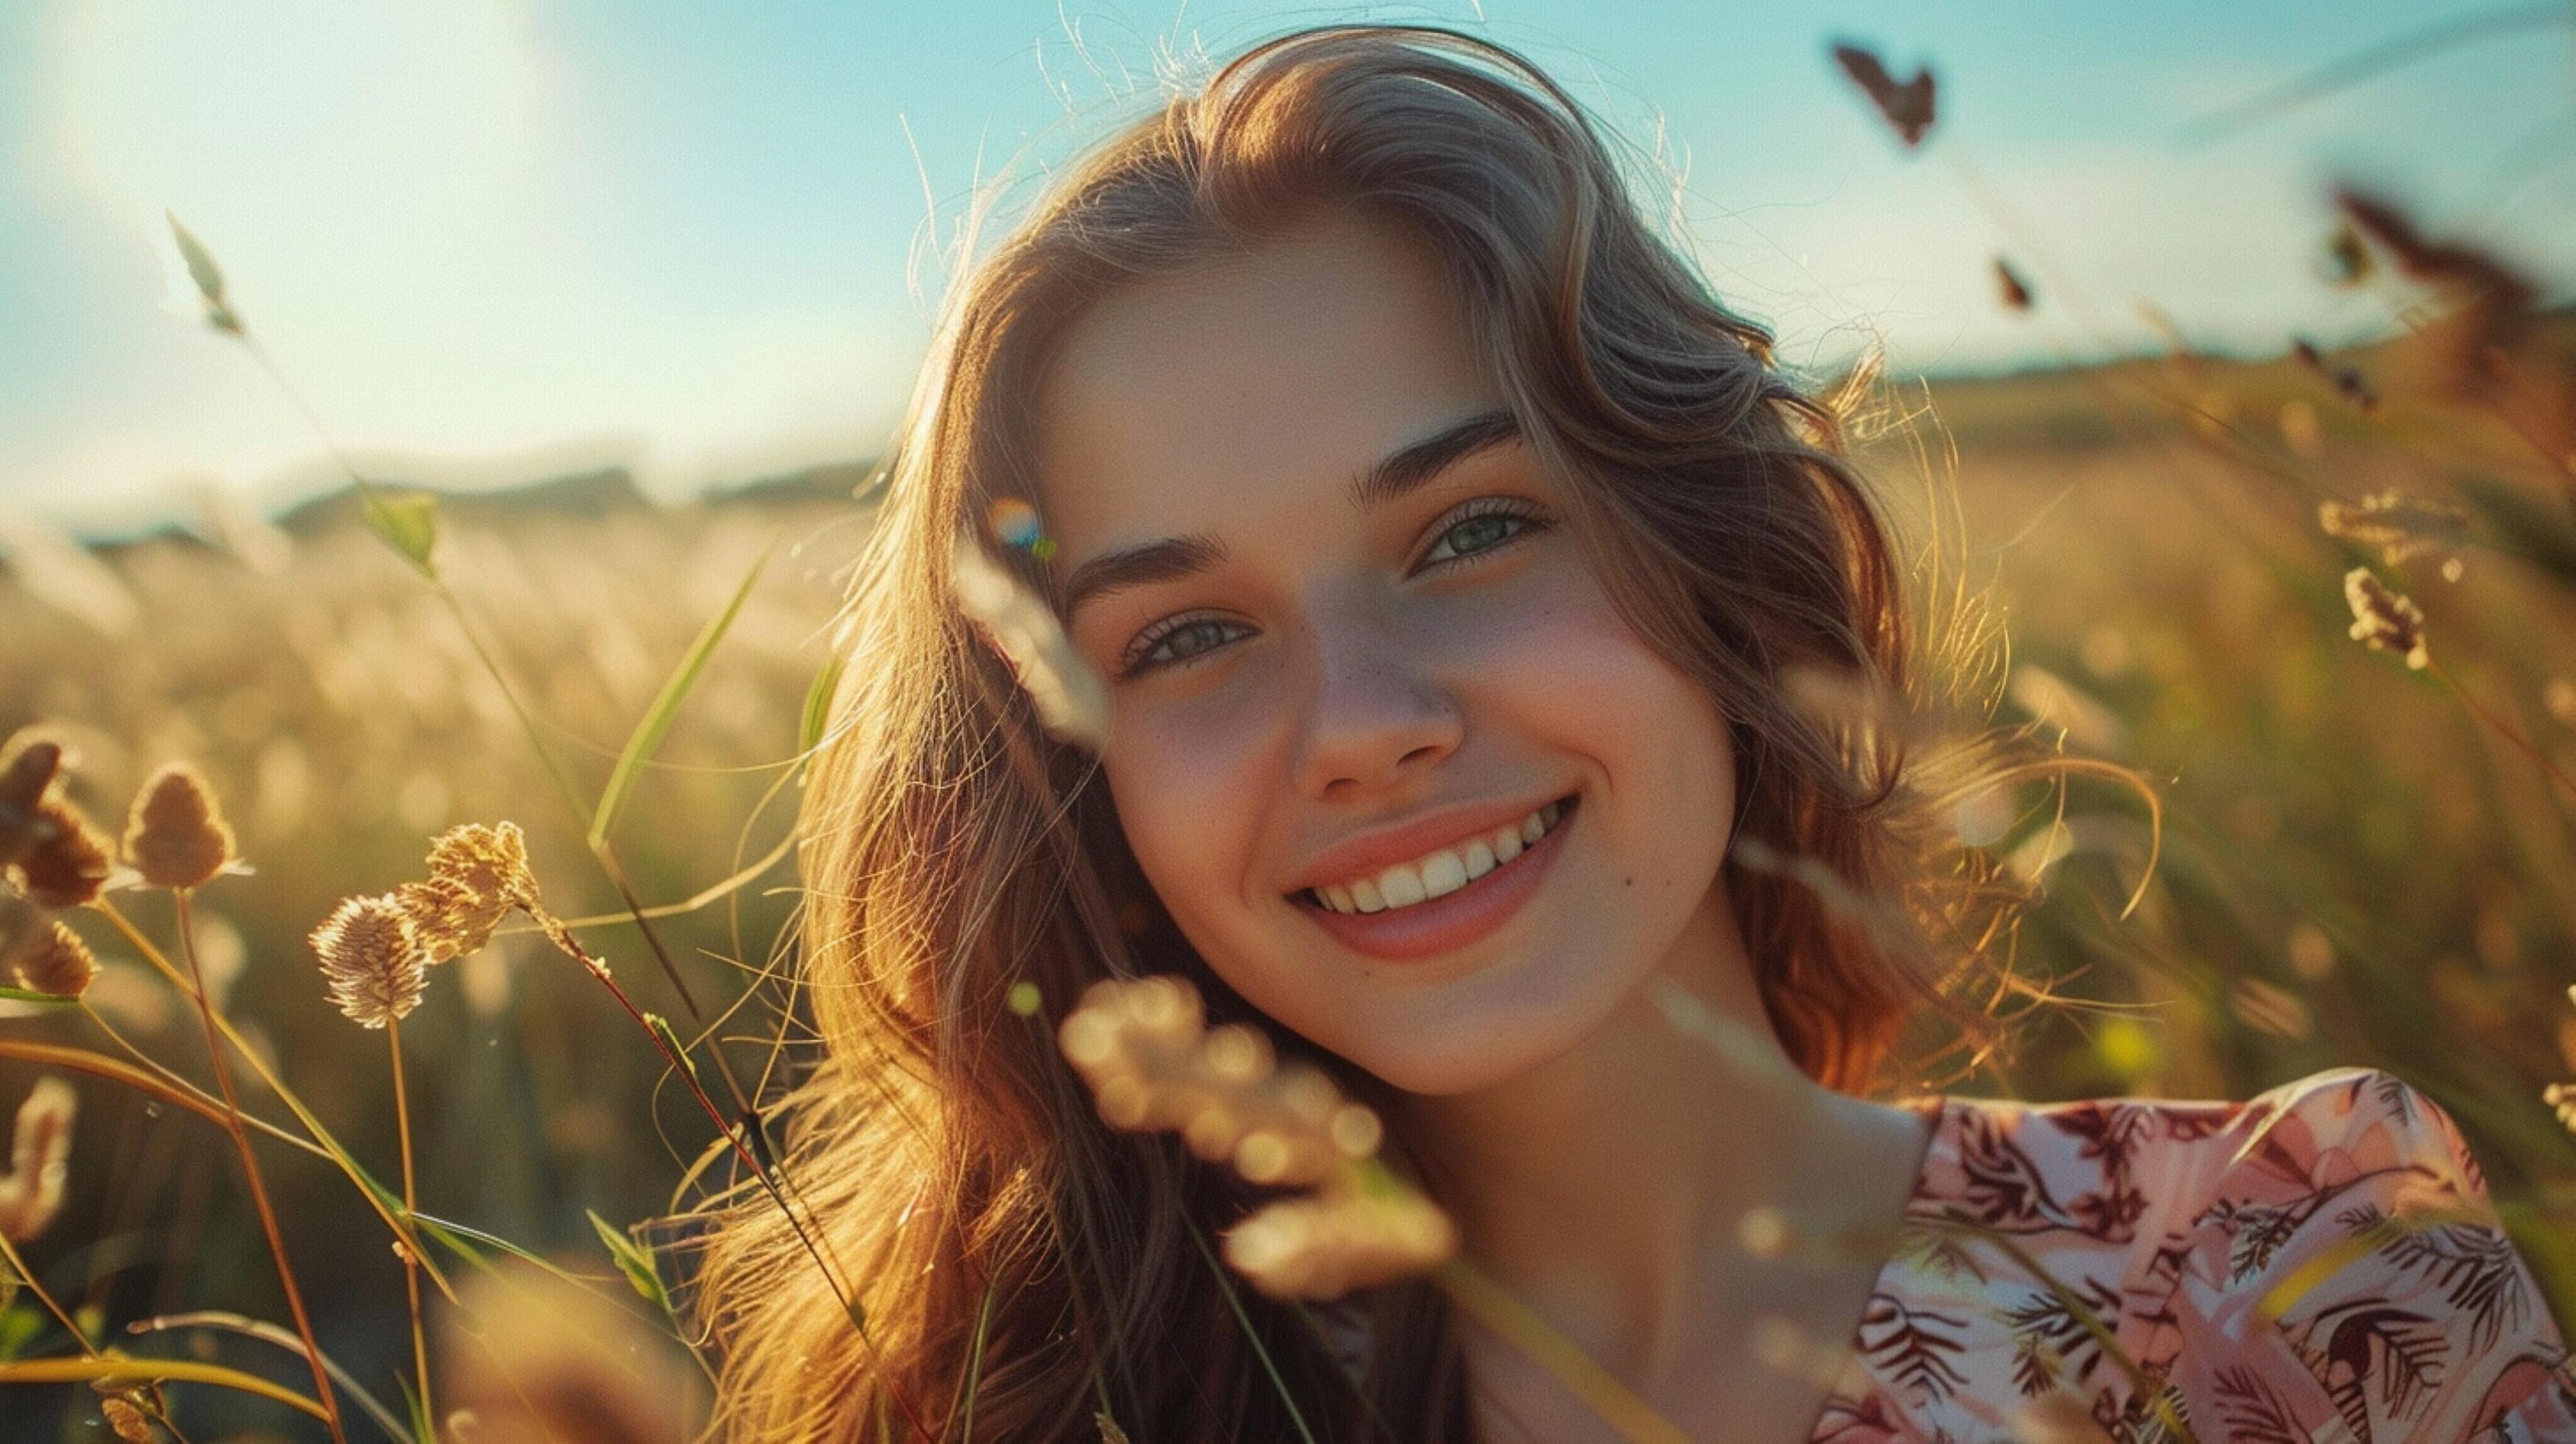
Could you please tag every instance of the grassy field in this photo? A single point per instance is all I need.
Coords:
(2361, 862)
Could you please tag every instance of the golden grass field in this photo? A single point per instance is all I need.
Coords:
(2361, 862)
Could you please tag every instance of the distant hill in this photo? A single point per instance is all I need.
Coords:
(590, 493)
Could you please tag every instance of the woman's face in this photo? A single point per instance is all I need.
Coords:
(1342, 689)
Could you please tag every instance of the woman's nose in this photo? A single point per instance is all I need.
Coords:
(1377, 713)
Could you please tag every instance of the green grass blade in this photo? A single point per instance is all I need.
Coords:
(1250, 1335)
(657, 719)
(975, 1362)
(407, 521)
(632, 1260)
(30, 995)
(818, 706)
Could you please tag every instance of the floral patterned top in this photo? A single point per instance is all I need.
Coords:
(2319, 1263)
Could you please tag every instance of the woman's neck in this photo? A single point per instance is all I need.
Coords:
(1609, 1188)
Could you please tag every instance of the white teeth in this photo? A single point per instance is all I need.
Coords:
(1402, 886)
(1440, 873)
(1443, 873)
(1480, 859)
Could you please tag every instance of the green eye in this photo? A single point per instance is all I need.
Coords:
(1481, 531)
(1171, 646)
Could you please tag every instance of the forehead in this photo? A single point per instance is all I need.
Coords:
(1272, 376)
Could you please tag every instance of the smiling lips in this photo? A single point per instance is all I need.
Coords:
(1418, 921)
(1440, 871)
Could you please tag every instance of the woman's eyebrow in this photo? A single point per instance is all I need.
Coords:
(1401, 471)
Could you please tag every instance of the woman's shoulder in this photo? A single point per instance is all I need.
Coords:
(2320, 1256)
(2098, 1166)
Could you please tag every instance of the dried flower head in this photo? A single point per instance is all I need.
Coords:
(53, 960)
(176, 836)
(1907, 107)
(1323, 1247)
(487, 864)
(24, 781)
(2010, 288)
(2401, 526)
(372, 958)
(39, 1160)
(451, 919)
(2383, 619)
(2494, 302)
(1153, 1063)
(127, 1422)
(67, 862)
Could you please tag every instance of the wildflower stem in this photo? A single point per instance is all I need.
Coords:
(180, 1091)
(250, 1168)
(268, 1333)
(411, 1264)
(680, 1069)
(2502, 728)
(1496, 1309)
(18, 1266)
(322, 1138)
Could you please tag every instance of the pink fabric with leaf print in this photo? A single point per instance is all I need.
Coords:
(2318, 1263)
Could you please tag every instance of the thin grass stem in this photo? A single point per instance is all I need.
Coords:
(1495, 1308)
(2501, 727)
(18, 1266)
(250, 1170)
(411, 1265)
(367, 1186)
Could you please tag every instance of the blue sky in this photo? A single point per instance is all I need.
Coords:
(492, 239)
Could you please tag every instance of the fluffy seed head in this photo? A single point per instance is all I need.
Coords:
(67, 861)
(1154, 1064)
(2383, 619)
(23, 784)
(39, 1160)
(452, 920)
(2400, 526)
(489, 865)
(1322, 1248)
(54, 960)
(372, 959)
(124, 1420)
(176, 836)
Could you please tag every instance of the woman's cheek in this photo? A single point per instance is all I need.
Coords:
(1180, 785)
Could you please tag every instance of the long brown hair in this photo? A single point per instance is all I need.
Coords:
(945, 1161)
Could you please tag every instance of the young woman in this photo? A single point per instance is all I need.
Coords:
(1451, 560)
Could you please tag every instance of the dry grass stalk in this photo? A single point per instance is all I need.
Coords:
(372, 958)
(53, 960)
(40, 1147)
(1153, 1064)
(2384, 620)
(176, 836)
(2348, 382)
